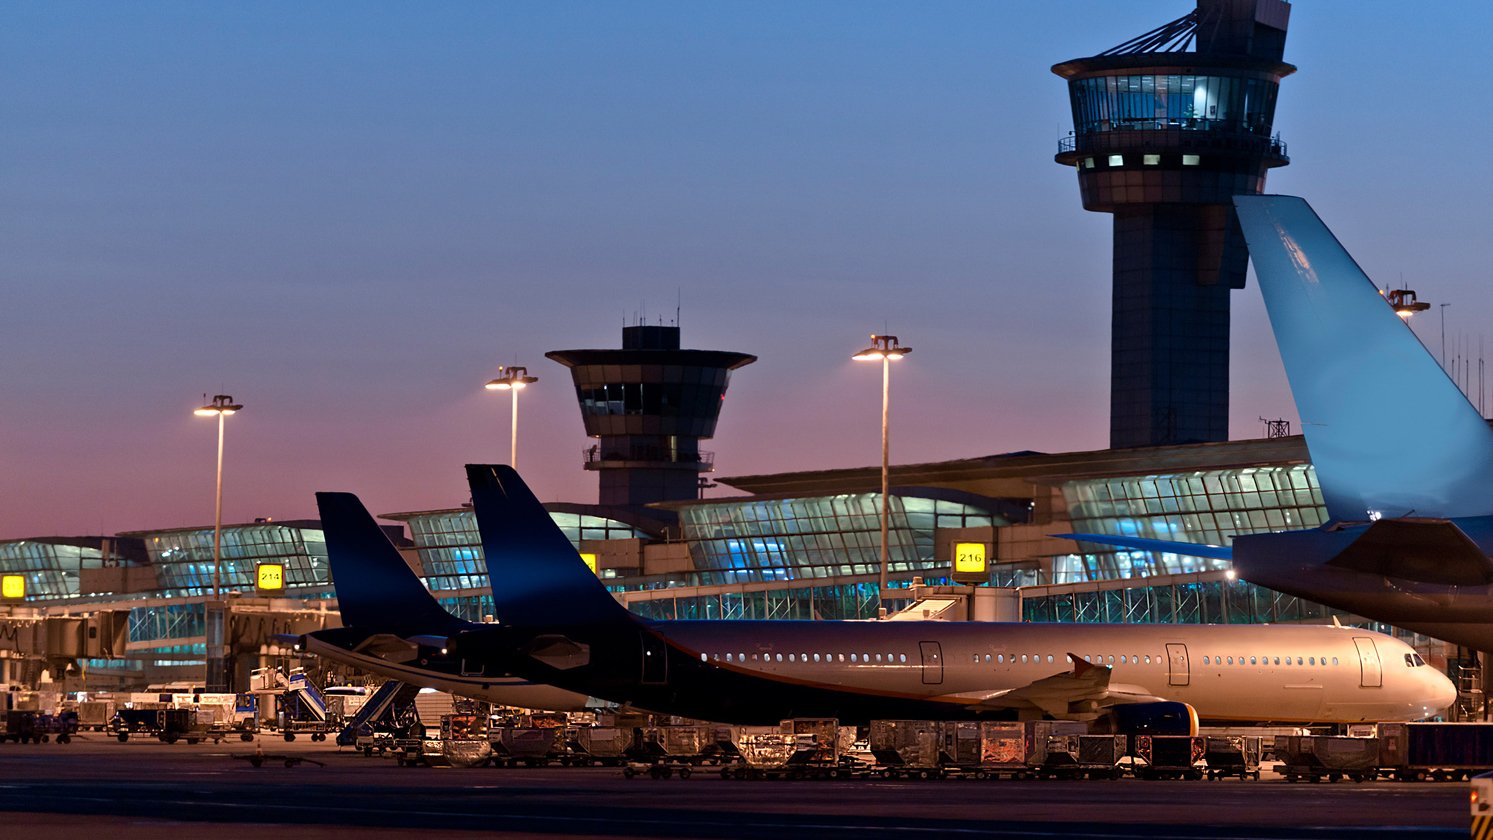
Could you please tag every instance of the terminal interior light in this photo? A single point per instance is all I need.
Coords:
(13, 586)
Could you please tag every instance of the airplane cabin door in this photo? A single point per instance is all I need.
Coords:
(1368, 660)
(1177, 672)
(932, 662)
(655, 660)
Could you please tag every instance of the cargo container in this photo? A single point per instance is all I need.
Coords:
(910, 748)
(1331, 757)
(530, 746)
(605, 745)
(1434, 750)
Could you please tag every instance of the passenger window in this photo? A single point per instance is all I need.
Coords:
(987, 659)
(780, 657)
(1288, 660)
(902, 657)
(976, 658)
(702, 657)
(1067, 657)
(1148, 659)
(728, 657)
(1312, 661)
(853, 658)
(790, 658)
(1334, 660)
(1049, 659)
(1231, 660)
(1205, 660)
(816, 657)
(878, 657)
(1251, 660)
(1298, 660)
(1111, 659)
(1023, 659)
(1000, 658)
(1277, 660)
(1087, 658)
(1122, 659)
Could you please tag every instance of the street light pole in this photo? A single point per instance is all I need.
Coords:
(221, 406)
(884, 348)
(512, 379)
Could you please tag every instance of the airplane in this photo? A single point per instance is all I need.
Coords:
(393, 627)
(1404, 460)
(559, 625)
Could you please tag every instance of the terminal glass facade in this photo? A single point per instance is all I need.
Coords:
(50, 569)
(817, 537)
(184, 559)
(1187, 102)
(1206, 507)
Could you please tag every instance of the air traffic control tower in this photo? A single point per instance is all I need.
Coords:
(1167, 128)
(649, 405)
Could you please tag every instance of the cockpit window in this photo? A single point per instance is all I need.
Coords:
(1409, 660)
(1418, 661)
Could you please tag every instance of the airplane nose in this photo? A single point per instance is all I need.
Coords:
(1443, 692)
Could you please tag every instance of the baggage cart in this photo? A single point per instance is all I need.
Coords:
(1167, 756)
(604, 745)
(530, 746)
(94, 715)
(1232, 755)
(1331, 757)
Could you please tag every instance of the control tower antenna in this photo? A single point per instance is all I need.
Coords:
(1167, 128)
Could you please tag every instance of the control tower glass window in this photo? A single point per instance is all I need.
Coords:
(1188, 102)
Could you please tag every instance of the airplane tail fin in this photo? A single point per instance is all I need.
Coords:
(538, 579)
(1389, 433)
(376, 589)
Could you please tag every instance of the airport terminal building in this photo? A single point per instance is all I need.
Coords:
(1167, 128)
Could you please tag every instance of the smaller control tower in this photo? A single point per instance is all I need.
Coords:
(649, 405)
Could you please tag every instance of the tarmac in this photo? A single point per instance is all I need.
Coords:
(144, 789)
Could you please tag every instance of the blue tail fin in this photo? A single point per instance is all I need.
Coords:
(376, 589)
(537, 577)
(1389, 432)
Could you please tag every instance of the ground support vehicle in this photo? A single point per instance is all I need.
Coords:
(528, 746)
(25, 725)
(608, 746)
(168, 725)
(1413, 752)
(1331, 757)
(1232, 755)
(1167, 756)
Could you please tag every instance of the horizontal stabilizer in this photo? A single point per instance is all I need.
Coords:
(1213, 552)
(1389, 432)
(1424, 550)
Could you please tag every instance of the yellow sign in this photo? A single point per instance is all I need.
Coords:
(271, 577)
(590, 561)
(13, 586)
(969, 558)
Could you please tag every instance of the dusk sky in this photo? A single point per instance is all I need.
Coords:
(347, 215)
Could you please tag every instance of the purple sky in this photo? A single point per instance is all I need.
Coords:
(348, 215)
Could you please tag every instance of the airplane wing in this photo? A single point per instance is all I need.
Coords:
(1078, 694)
(1214, 552)
(388, 646)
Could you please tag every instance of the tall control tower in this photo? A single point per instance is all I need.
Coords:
(649, 405)
(1167, 128)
